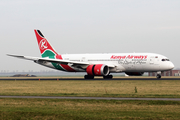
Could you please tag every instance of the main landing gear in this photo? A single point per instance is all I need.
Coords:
(88, 77)
(92, 77)
(108, 77)
(158, 76)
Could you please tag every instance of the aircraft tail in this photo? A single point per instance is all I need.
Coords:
(45, 48)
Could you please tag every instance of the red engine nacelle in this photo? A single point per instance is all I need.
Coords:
(134, 73)
(97, 70)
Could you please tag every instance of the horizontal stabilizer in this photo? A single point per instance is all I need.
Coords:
(24, 57)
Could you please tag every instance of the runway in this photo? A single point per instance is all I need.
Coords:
(90, 98)
(81, 78)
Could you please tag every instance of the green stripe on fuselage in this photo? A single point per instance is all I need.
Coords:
(51, 55)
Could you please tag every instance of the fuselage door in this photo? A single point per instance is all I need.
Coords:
(83, 59)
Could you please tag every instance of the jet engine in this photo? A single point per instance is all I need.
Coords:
(134, 73)
(97, 70)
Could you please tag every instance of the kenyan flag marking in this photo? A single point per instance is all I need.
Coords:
(52, 55)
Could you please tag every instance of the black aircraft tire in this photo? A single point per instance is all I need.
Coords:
(88, 77)
(108, 77)
(158, 76)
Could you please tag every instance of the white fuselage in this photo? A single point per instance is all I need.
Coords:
(122, 62)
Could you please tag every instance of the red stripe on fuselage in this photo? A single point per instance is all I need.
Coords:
(66, 67)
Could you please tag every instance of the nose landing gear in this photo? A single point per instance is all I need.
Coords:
(158, 76)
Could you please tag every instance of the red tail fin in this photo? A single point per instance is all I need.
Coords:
(45, 48)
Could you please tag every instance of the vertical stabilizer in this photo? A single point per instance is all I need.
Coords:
(45, 48)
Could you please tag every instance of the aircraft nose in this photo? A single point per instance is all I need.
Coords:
(171, 65)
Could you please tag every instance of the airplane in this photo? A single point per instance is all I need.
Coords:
(133, 64)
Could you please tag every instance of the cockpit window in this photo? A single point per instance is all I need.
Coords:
(165, 59)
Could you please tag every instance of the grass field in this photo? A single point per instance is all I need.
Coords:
(52, 109)
(109, 88)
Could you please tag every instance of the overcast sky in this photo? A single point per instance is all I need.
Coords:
(88, 26)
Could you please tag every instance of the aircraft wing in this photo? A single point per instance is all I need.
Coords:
(66, 62)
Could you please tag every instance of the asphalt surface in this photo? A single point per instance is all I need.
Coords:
(90, 98)
(122, 78)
